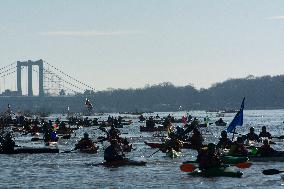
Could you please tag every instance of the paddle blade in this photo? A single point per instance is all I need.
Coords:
(187, 168)
(244, 165)
(271, 172)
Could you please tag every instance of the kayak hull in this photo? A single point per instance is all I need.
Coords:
(121, 163)
(233, 160)
(217, 172)
(276, 158)
(32, 151)
(152, 129)
(267, 159)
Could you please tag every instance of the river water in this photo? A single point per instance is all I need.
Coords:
(73, 170)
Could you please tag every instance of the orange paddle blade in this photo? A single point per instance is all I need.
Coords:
(244, 165)
(187, 168)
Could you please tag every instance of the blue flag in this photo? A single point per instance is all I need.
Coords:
(238, 119)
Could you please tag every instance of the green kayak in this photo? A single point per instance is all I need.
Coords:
(228, 160)
(217, 172)
(233, 160)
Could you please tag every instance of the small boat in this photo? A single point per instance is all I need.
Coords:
(217, 123)
(51, 143)
(278, 158)
(124, 162)
(92, 150)
(217, 172)
(152, 129)
(27, 150)
(228, 160)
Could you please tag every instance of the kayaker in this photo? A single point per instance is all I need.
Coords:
(251, 136)
(85, 143)
(173, 143)
(238, 148)
(220, 122)
(113, 133)
(8, 144)
(208, 157)
(180, 134)
(126, 147)
(264, 133)
(266, 150)
(150, 123)
(95, 122)
(142, 118)
(113, 152)
(196, 139)
(224, 141)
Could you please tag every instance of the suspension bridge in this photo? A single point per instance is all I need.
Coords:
(41, 76)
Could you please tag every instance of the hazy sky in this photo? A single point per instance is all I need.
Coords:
(131, 43)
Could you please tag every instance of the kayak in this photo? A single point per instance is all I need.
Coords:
(274, 158)
(125, 162)
(220, 123)
(92, 150)
(32, 151)
(51, 143)
(173, 154)
(152, 129)
(233, 160)
(279, 158)
(228, 160)
(185, 145)
(155, 144)
(217, 172)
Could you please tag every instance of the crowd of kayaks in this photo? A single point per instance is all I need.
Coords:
(149, 125)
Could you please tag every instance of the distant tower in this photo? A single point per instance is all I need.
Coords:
(30, 65)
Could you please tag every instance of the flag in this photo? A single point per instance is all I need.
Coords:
(238, 119)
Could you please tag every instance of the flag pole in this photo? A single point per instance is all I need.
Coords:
(233, 134)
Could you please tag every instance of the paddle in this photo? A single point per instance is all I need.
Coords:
(188, 168)
(68, 151)
(154, 153)
(279, 137)
(36, 139)
(191, 167)
(271, 172)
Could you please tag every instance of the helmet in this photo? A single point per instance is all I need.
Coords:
(224, 133)
(251, 129)
(263, 128)
(240, 139)
(86, 135)
(211, 146)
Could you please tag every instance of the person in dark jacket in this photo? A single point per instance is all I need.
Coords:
(113, 152)
(224, 141)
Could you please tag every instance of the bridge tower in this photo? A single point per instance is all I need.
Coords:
(30, 65)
